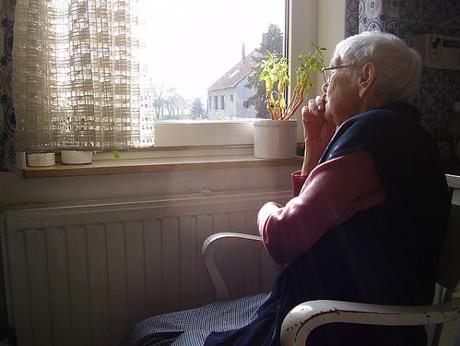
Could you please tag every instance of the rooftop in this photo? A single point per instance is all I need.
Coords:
(237, 73)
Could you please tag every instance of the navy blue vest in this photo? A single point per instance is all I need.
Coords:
(384, 255)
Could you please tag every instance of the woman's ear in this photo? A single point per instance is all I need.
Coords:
(367, 78)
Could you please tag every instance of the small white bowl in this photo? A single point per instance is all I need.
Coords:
(41, 159)
(76, 157)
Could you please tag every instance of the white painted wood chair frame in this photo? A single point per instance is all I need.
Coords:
(303, 318)
(209, 248)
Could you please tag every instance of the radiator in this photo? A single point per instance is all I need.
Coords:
(84, 274)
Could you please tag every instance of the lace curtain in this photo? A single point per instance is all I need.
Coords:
(76, 76)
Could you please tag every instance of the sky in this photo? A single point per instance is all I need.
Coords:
(193, 43)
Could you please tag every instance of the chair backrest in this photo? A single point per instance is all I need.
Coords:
(449, 263)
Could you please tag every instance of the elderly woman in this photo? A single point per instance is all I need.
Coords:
(370, 203)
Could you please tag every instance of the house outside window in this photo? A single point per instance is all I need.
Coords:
(234, 85)
(242, 23)
(216, 102)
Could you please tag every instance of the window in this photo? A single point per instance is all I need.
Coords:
(243, 26)
(177, 77)
(173, 66)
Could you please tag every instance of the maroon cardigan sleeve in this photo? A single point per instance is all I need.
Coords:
(297, 180)
(333, 192)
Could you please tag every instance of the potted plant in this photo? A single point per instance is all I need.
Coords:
(275, 138)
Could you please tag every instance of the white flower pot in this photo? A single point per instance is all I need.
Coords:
(41, 160)
(76, 157)
(275, 139)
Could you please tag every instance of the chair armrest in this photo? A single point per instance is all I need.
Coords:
(302, 319)
(209, 249)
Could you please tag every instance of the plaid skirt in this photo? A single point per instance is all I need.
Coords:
(191, 327)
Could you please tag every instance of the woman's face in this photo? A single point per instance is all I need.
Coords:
(342, 98)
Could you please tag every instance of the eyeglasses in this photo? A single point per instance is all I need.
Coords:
(329, 71)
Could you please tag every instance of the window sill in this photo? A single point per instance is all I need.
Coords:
(148, 165)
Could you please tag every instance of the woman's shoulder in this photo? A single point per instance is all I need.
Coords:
(386, 128)
(396, 114)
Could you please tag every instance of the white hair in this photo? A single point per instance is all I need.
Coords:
(399, 67)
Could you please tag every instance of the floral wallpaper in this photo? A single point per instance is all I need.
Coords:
(440, 88)
(351, 17)
(7, 119)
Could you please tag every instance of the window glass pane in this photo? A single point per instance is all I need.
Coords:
(200, 54)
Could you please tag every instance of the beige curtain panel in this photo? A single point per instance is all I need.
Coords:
(76, 75)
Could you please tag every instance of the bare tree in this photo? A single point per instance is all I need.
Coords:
(159, 101)
(175, 103)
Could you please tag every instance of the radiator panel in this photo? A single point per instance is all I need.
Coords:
(83, 275)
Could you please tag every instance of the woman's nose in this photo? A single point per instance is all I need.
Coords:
(324, 86)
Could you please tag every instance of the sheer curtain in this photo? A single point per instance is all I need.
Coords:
(76, 75)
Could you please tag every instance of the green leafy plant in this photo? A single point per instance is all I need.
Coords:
(276, 78)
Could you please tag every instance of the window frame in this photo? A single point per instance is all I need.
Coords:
(298, 33)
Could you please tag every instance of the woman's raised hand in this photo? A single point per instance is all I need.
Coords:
(317, 123)
(318, 130)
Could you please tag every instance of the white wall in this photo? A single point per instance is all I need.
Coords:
(331, 24)
(15, 190)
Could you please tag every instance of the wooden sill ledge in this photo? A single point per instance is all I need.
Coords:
(107, 167)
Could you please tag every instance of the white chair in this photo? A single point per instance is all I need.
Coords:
(303, 318)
